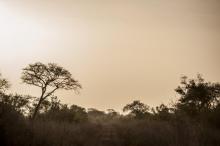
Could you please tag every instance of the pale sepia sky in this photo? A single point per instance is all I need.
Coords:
(119, 50)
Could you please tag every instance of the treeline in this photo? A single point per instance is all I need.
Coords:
(192, 120)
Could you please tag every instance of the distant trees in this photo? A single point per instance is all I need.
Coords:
(136, 108)
(49, 77)
(196, 96)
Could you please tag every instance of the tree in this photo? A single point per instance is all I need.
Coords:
(197, 95)
(138, 109)
(49, 77)
(4, 84)
(162, 112)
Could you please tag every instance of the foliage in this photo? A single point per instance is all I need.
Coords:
(4, 84)
(138, 109)
(70, 114)
(54, 110)
(162, 112)
(196, 95)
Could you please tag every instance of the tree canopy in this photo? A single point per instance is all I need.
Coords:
(137, 108)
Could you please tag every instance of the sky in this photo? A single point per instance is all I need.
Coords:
(119, 50)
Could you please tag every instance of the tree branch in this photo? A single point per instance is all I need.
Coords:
(51, 92)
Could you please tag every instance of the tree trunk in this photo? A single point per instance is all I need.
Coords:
(39, 103)
(37, 108)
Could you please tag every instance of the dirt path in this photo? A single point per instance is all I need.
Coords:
(109, 136)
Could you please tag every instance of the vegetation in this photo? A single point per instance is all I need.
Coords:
(192, 121)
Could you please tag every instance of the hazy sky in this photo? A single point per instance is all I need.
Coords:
(119, 50)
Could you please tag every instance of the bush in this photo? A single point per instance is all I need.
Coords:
(64, 134)
(13, 127)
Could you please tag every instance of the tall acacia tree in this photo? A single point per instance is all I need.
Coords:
(49, 77)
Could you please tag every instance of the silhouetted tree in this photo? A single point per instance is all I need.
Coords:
(138, 109)
(49, 77)
(4, 84)
(162, 112)
(197, 95)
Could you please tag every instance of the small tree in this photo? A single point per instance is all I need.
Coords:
(138, 109)
(162, 112)
(49, 77)
(4, 84)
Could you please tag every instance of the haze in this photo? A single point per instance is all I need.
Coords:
(119, 50)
